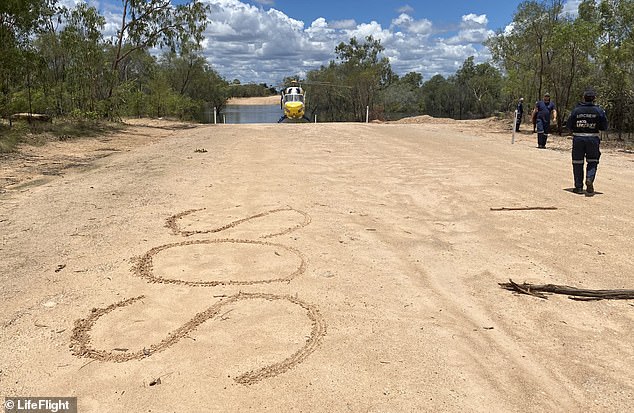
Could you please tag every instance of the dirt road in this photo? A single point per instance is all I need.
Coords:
(319, 268)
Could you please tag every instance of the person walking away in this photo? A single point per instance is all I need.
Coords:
(519, 114)
(545, 110)
(585, 122)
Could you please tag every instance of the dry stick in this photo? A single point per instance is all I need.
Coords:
(536, 208)
(526, 290)
(587, 295)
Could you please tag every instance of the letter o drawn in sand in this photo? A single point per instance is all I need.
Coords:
(144, 267)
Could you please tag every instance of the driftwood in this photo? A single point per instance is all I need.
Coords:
(573, 293)
(535, 208)
(29, 117)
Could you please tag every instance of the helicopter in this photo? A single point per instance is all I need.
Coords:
(293, 103)
(293, 99)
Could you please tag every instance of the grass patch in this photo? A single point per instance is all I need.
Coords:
(9, 138)
(61, 129)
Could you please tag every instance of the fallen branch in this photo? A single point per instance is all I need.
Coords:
(535, 208)
(572, 292)
(524, 289)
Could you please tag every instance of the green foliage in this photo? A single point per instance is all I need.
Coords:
(402, 97)
(250, 90)
(55, 61)
(439, 96)
(356, 81)
(9, 138)
(546, 51)
(361, 79)
(479, 89)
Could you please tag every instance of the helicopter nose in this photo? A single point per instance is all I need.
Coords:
(294, 109)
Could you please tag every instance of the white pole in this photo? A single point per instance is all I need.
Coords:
(514, 127)
(224, 118)
(367, 114)
(315, 118)
(214, 115)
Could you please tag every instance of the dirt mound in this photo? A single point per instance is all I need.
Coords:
(494, 124)
(424, 119)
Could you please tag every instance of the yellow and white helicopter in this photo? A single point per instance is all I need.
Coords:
(293, 103)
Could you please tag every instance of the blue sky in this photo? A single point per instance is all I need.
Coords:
(263, 41)
(444, 13)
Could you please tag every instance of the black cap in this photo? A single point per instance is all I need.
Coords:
(590, 92)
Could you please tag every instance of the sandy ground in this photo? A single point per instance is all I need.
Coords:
(266, 100)
(314, 268)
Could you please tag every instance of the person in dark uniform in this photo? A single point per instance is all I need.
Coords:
(585, 122)
(519, 113)
(545, 111)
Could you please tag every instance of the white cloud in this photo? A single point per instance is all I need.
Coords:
(473, 29)
(72, 3)
(264, 45)
(471, 20)
(571, 8)
(373, 29)
(404, 20)
(254, 44)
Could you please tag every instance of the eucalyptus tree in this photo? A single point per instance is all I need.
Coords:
(19, 19)
(615, 58)
(366, 72)
(82, 41)
(574, 44)
(439, 97)
(479, 89)
(328, 94)
(403, 96)
(198, 84)
(525, 50)
(156, 23)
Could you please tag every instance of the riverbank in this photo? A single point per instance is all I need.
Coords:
(260, 100)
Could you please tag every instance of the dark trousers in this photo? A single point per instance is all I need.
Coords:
(585, 147)
(543, 127)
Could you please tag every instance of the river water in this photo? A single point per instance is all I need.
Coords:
(251, 114)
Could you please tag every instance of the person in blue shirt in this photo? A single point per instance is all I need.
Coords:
(585, 122)
(545, 111)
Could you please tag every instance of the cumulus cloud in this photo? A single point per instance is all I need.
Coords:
(473, 29)
(254, 44)
(407, 22)
(257, 43)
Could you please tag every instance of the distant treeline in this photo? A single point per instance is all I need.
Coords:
(546, 51)
(250, 90)
(55, 60)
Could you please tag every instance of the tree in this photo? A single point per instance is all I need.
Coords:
(481, 87)
(616, 56)
(439, 96)
(82, 41)
(403, 96)
(366, 73)
(525, 52)
(149, 23)
(545, 50)
(19, 19)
